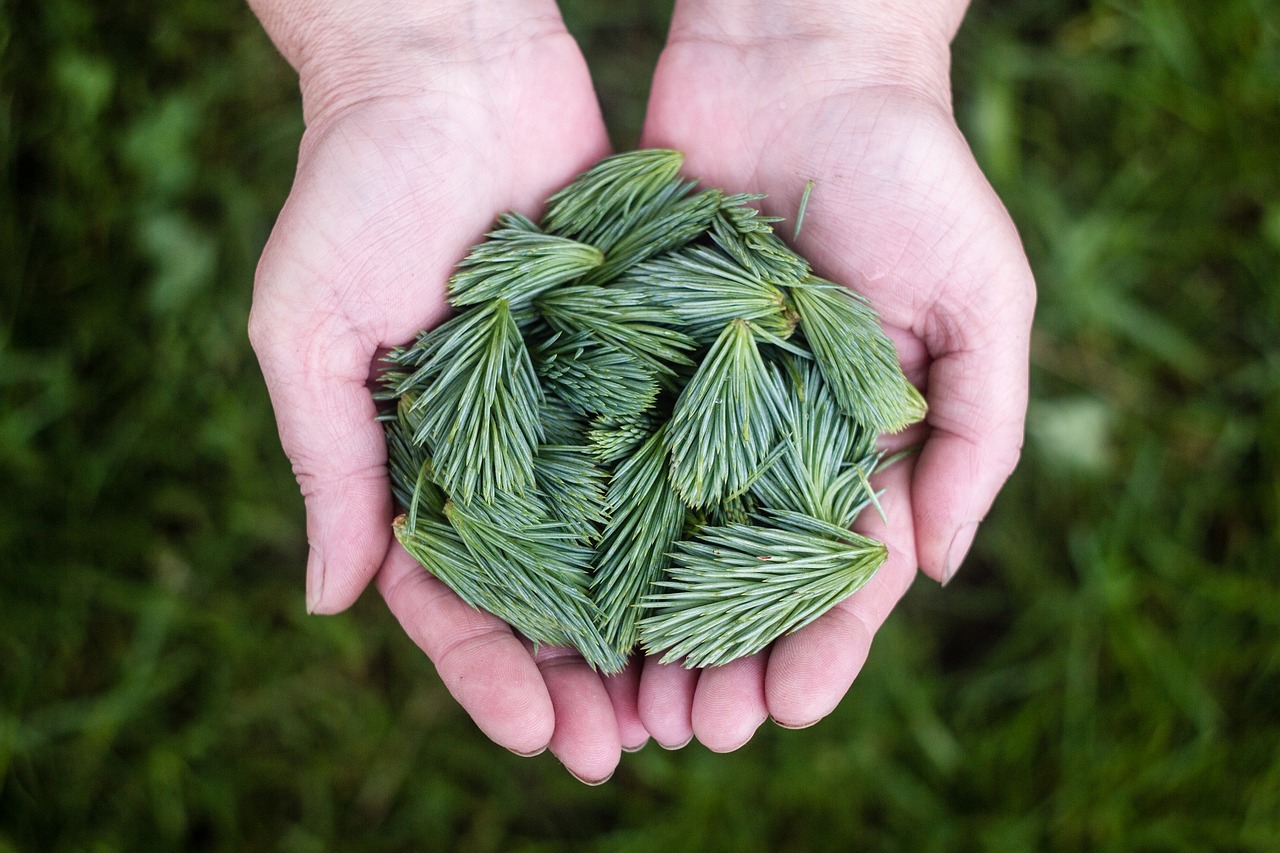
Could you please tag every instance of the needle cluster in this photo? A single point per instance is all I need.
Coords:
(648, 425)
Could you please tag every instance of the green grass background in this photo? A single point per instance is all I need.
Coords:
(1105, 675)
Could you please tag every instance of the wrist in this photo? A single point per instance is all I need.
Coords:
(866, 42)
(347, 51)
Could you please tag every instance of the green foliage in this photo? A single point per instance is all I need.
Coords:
(480, 406)
(706, 289)
(734, 589)
(607, 351)
(725, 420)
(646, 516)
(515, 264)
(856, 356)
(826, 458)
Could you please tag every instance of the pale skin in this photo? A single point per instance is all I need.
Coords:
(424, 120)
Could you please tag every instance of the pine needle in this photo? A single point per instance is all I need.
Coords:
(724, 422)
(825, 456)
(705, 289)
(610, 199)
(516, 265)
(857, 359)
(646, 517)
(746, 236)
(548, 571)
(595, 378)
(624, 320)
(734, 589)
(481, 413)
(571, 485)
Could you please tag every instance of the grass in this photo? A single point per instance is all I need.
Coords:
(1105, 674)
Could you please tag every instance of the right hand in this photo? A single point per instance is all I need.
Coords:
(418, 134)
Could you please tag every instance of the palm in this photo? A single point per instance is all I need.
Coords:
(390, 193)
(900, 212)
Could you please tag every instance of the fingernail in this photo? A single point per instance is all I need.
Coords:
(537, 751)
(960, 542)
(315, 580)
(687, 741)
(793, 726)
(637, 747)
(588, 782)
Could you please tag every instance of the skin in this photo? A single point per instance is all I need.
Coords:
(762, 102)
(424, 120)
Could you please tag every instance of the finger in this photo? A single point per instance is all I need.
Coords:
(624, 693)
(666, 702)
(316, 372)
(586, 733)
(977, 410)
(482, 663)
(812, 669)
(729, 704)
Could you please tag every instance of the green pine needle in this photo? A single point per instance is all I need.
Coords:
(857, 359)
(735, 589)
(594, 378)
(481, 413)
(725, 420)
(705, 289)
(516, 265)
(748, 238)
(624, 320)
(571, 485)
(610, 199)
(646, 517)
(547, 570)
(613, 439)
(561, 424)
(665, 229)
(826, 457)
(409, 465)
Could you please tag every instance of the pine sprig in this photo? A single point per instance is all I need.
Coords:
(725, 420)
(481, 413)
(412, 478)
(857, 358)
(547, 570)
(610, 199)
(593, 378)
(612, 438)
(826, 458)
(734, 589)
(561, 423)
(705, 289)
(646, 517)
(748, 238)
(517, 265)
(623, 320)
(665, 229)
(571, 485)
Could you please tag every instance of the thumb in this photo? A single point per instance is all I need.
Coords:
(977, 394)
(316, 374)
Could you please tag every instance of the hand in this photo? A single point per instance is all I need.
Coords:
(413, 144)
(763, 99)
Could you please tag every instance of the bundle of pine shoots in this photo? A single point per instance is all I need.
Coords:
(648, 425)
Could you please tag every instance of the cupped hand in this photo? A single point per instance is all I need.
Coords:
(900, 212)
(404, 163)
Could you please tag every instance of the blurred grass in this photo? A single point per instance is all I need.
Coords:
(1105, 675)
